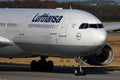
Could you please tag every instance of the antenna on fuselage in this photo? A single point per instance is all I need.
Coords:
(70, 7)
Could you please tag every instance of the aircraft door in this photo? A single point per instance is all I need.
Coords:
(63, 28)
(62, 31)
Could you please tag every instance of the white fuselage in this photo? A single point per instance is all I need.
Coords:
(50, 32)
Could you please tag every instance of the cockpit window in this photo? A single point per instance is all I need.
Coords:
(100, 26)
(93, 26)
(83, 26)
(86, 25)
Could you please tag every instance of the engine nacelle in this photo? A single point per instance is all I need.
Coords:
(103, 57)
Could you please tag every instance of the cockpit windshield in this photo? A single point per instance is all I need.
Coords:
(86, 25)
(93, 26)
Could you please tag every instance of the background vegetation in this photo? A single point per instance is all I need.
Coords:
(106, 13)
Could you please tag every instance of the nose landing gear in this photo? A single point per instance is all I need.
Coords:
(79, 71)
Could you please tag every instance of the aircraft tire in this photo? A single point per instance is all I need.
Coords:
(42, 66)
(50, 66)
(78, 73)
(33, 65)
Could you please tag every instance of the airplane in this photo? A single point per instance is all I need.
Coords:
(57, 32)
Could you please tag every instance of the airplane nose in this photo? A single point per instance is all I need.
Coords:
(101, 37)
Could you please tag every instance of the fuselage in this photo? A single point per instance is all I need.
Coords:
(50, 32)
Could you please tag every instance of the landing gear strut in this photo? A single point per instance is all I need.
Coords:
(79, 70)
(42, 65)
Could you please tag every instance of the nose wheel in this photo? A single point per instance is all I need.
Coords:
(79, 71)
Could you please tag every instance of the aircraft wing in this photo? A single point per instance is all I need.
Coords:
(115, 27)
(5, 42)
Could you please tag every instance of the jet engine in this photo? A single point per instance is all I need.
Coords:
(103, 57)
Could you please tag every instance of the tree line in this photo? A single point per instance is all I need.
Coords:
(106, 13)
